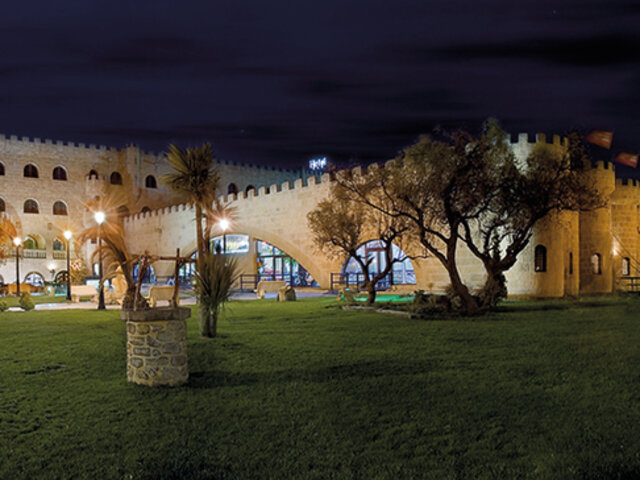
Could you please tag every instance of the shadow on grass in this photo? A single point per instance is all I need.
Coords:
(360, 370)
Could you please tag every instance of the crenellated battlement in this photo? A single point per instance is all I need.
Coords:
(522, 139)
(38, 143)
(253, 195)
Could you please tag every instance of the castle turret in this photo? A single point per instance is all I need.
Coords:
(624, 211)
(596, 242)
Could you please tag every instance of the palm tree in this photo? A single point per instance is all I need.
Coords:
(196, 178)
(115, 254)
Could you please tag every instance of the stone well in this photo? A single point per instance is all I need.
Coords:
(157, 346)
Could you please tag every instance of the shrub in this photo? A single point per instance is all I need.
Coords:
(26, 302)
(3, 305)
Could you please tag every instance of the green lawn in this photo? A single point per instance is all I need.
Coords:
(299, 390)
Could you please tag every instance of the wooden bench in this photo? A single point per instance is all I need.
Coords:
(78, 291)
(161, 292)
(269, 286)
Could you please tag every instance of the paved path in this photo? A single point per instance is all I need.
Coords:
(184, 301)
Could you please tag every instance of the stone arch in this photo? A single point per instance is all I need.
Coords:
(93, 174)
(232, 189)
(33, 241)
(34, 278)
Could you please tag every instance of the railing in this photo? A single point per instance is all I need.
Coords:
(631, 284)
(356, 280)
(59, 255)
(250, 281)
(28, 253)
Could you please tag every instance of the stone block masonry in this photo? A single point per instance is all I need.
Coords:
(157, 346)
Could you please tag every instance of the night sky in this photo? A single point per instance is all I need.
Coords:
(281, 82)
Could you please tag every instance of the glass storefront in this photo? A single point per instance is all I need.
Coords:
(274, 264)
(402, 271)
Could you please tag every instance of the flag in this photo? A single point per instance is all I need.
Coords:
(601, 138)
(626, 158)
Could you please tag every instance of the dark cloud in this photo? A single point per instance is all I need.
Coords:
(279, 82)
(615, 49)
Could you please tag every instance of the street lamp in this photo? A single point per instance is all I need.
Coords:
(67, 235)
(224, 225)
(17, 241)
(100, 217)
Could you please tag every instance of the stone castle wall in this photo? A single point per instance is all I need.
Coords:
(78, 160)
(276, 210)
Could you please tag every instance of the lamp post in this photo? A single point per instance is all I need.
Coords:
(17, 241)
(100, 217)
(67, 235)
(224, 224)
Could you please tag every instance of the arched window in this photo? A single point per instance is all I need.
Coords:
(570, 263)
(626, 267)
(59, 208)
(3, 207)
(35, 279)
(150, 182)
(249, 188)
(59, 173)
(1, 168)
(31, 206)
(61, 276)
(596, 264)
(116, 179)
(58, 245)
(93, 175)
(145, 210)
(232, 189)
(122, 212)
(31, 171)
(540, 258)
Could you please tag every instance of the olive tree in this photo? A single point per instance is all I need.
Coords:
(461, 189)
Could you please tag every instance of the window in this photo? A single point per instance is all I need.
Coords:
(232, 189)
(59, 173)
(249, 188)
(626, 267)
(570, 263)
(540, 259)
(93, 175)
(31, 206)
(31, 171)
(35, 279)
(3, 207)
(234, 243)
(59, 208)
(58, 245)
(1, 168)
(116, 179)
(150, 182)
(596, 264)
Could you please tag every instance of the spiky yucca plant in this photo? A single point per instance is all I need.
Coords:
(213, 284)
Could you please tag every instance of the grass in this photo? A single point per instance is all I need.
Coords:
(299, 390)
